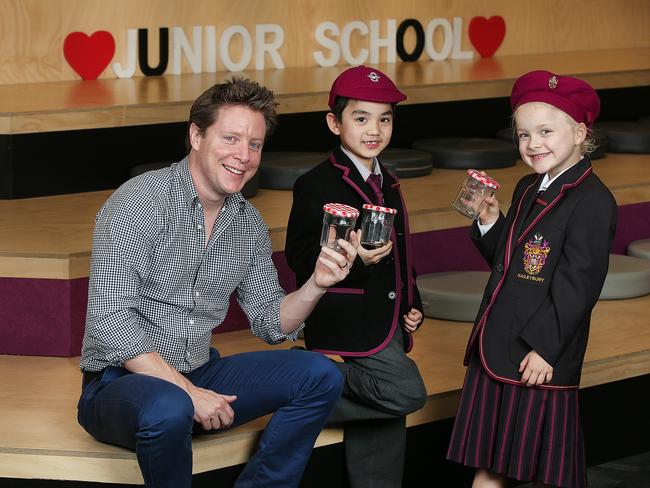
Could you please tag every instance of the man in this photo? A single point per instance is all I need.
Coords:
(169, 248)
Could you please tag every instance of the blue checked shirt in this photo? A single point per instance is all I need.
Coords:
(156, 286)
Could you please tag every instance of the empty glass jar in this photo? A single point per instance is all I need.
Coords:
(338, 221)
(470, 200)
(376, 225)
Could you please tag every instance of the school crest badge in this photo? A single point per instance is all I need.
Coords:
(535, 252)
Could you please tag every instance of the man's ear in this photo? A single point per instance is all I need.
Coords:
(333, 123)
(195, 136)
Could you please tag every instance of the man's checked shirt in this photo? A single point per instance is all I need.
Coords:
(156, 286)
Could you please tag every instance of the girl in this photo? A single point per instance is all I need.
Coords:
(518, 415)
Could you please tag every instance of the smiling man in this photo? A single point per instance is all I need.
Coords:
(169, 248)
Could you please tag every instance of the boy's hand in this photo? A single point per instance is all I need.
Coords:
(412, 320)
(536, 370)
(370, 256)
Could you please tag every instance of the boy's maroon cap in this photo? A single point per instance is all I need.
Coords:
(364, 83)
(573, 96)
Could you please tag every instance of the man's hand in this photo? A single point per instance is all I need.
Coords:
(412, 320)
(211, 409)
(370, 256)
(536, 370)
(332, 266)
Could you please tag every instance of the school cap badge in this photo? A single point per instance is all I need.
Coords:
(573, 96)
(364, 83)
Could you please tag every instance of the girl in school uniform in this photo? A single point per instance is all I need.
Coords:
(518, 415)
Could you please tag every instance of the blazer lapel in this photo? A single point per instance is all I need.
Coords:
(350, 175)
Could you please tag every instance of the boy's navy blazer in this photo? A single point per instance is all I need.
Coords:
(360, 315)
(549, 258)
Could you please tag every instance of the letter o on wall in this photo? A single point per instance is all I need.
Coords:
(419, 40)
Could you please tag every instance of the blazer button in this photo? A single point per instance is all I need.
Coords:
(392, 295)
(499, 268)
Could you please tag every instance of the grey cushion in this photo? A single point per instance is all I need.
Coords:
(627, 277)
(280, 169)
(249, 190)
(452, 295)
(407, 163)
(626, 137)
(639, 249)
(463, 153)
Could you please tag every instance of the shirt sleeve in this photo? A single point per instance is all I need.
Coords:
(259, 294)
(119, 263)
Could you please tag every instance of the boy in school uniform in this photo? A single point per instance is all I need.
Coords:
(369, 318)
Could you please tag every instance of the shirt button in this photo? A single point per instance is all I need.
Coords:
(499, 268)
(191, 321)
(196, 293)
(199, 227)
(392, 295)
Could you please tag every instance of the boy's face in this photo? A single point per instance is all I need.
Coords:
(365, 128)
(549, 141)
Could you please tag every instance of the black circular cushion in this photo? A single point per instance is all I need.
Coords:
(645, 120)
(508, 134)
(626, 137)
(249, 190)
(407, 163)
(280, 169)
(463, 153)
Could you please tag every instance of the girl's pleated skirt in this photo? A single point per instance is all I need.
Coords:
(524, 433)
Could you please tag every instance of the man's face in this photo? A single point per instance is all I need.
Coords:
(228, 154)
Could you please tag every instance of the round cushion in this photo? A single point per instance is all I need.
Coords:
(464, 153)
(249, 190)
(645, 120)
(280, 169)
(626, 137)
(407, 163)
(639, 249)
(452, 295)
(627, 277)
(508, 134)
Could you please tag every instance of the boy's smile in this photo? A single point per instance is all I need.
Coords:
(365, 129)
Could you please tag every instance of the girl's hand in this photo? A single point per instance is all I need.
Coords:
(490, 212)
(536, 370)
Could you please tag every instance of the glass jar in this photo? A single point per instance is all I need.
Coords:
(376, 225)
(470, 200)
(338, 221)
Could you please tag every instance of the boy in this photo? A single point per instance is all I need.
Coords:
(368, 319)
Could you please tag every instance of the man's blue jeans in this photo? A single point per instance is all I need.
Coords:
(155, 417)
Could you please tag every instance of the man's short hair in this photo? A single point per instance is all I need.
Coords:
(235, 91)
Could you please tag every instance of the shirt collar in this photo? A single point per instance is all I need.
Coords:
(365, 172)
(547, 180)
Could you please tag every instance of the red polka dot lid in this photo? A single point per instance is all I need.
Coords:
(483, 178)
(340, 210)
(377, 208)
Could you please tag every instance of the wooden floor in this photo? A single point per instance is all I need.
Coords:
(50, 237)
(40, 437)
(74, 105)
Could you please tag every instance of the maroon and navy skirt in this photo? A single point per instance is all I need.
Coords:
(525, 433)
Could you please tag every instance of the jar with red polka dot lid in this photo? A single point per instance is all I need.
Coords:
(470, 200)
(376, 225)
(338, 221)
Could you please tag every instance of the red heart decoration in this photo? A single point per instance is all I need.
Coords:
(89, 55)
(486, 35)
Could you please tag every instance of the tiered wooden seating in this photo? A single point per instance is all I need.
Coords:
(40, 437)
(74, 105)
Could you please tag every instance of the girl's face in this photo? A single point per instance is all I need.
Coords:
(549, 140)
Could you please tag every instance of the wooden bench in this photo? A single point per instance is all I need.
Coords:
(40, 437)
